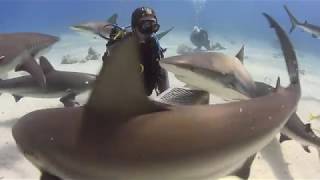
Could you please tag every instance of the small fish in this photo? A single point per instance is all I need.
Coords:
(314, 117)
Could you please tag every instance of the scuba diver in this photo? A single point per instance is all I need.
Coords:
(199, 38)
(144, 24)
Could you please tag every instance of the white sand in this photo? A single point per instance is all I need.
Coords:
(260, 63)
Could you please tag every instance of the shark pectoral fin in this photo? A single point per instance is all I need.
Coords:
(69, 99)
(30, 65)
(162, 34)
(244, 171)
(283, 138)
(119, 86)
(306, 149)
(314, 36)
(17, 98)
(113, 19)
(240, 54)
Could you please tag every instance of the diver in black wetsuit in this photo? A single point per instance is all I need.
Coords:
(199, 38)
(144, 24)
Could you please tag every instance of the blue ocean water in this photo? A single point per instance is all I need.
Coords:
(231, 19)
(228, 18)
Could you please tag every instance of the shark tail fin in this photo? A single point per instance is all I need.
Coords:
(113, 19)
(293, 20)
(288, 53)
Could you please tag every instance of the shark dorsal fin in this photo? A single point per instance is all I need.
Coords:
(113, 19)
(45, 65)
(278, 84)
(119, 89)
(240, 54)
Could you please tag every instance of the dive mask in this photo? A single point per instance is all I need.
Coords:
(148, 27)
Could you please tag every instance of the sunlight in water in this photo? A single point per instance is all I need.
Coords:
(198, 6)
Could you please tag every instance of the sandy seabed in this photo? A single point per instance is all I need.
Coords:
(260, 62)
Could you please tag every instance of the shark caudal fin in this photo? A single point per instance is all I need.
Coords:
(293, 20)
(113, 19)
(288, 53)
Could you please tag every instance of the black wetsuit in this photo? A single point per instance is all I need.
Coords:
(200, 39)
(155, 77)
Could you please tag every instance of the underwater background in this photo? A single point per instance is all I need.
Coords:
(232, 23)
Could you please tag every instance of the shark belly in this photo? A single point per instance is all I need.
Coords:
(34, 92)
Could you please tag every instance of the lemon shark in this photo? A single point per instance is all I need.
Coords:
(59, 84)
(121, 134)
(103, 28)
(19, 50)
(314, 30)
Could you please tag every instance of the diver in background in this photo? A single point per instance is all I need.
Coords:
(199, 38)
(144, 24)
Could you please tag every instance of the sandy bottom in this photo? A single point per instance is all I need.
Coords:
(297, 163)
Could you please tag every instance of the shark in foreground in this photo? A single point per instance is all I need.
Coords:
(121, 134)
(19, 50)
(314, 30)
(59, 84)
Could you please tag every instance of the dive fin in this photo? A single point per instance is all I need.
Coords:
(113, 19)
(244, 171)
(45, 65)
(30, 65)
(17, 98)
(240, 54)
(293, 20)
(107, 86)
(283, 138)
(162, 34)
(2, 57)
